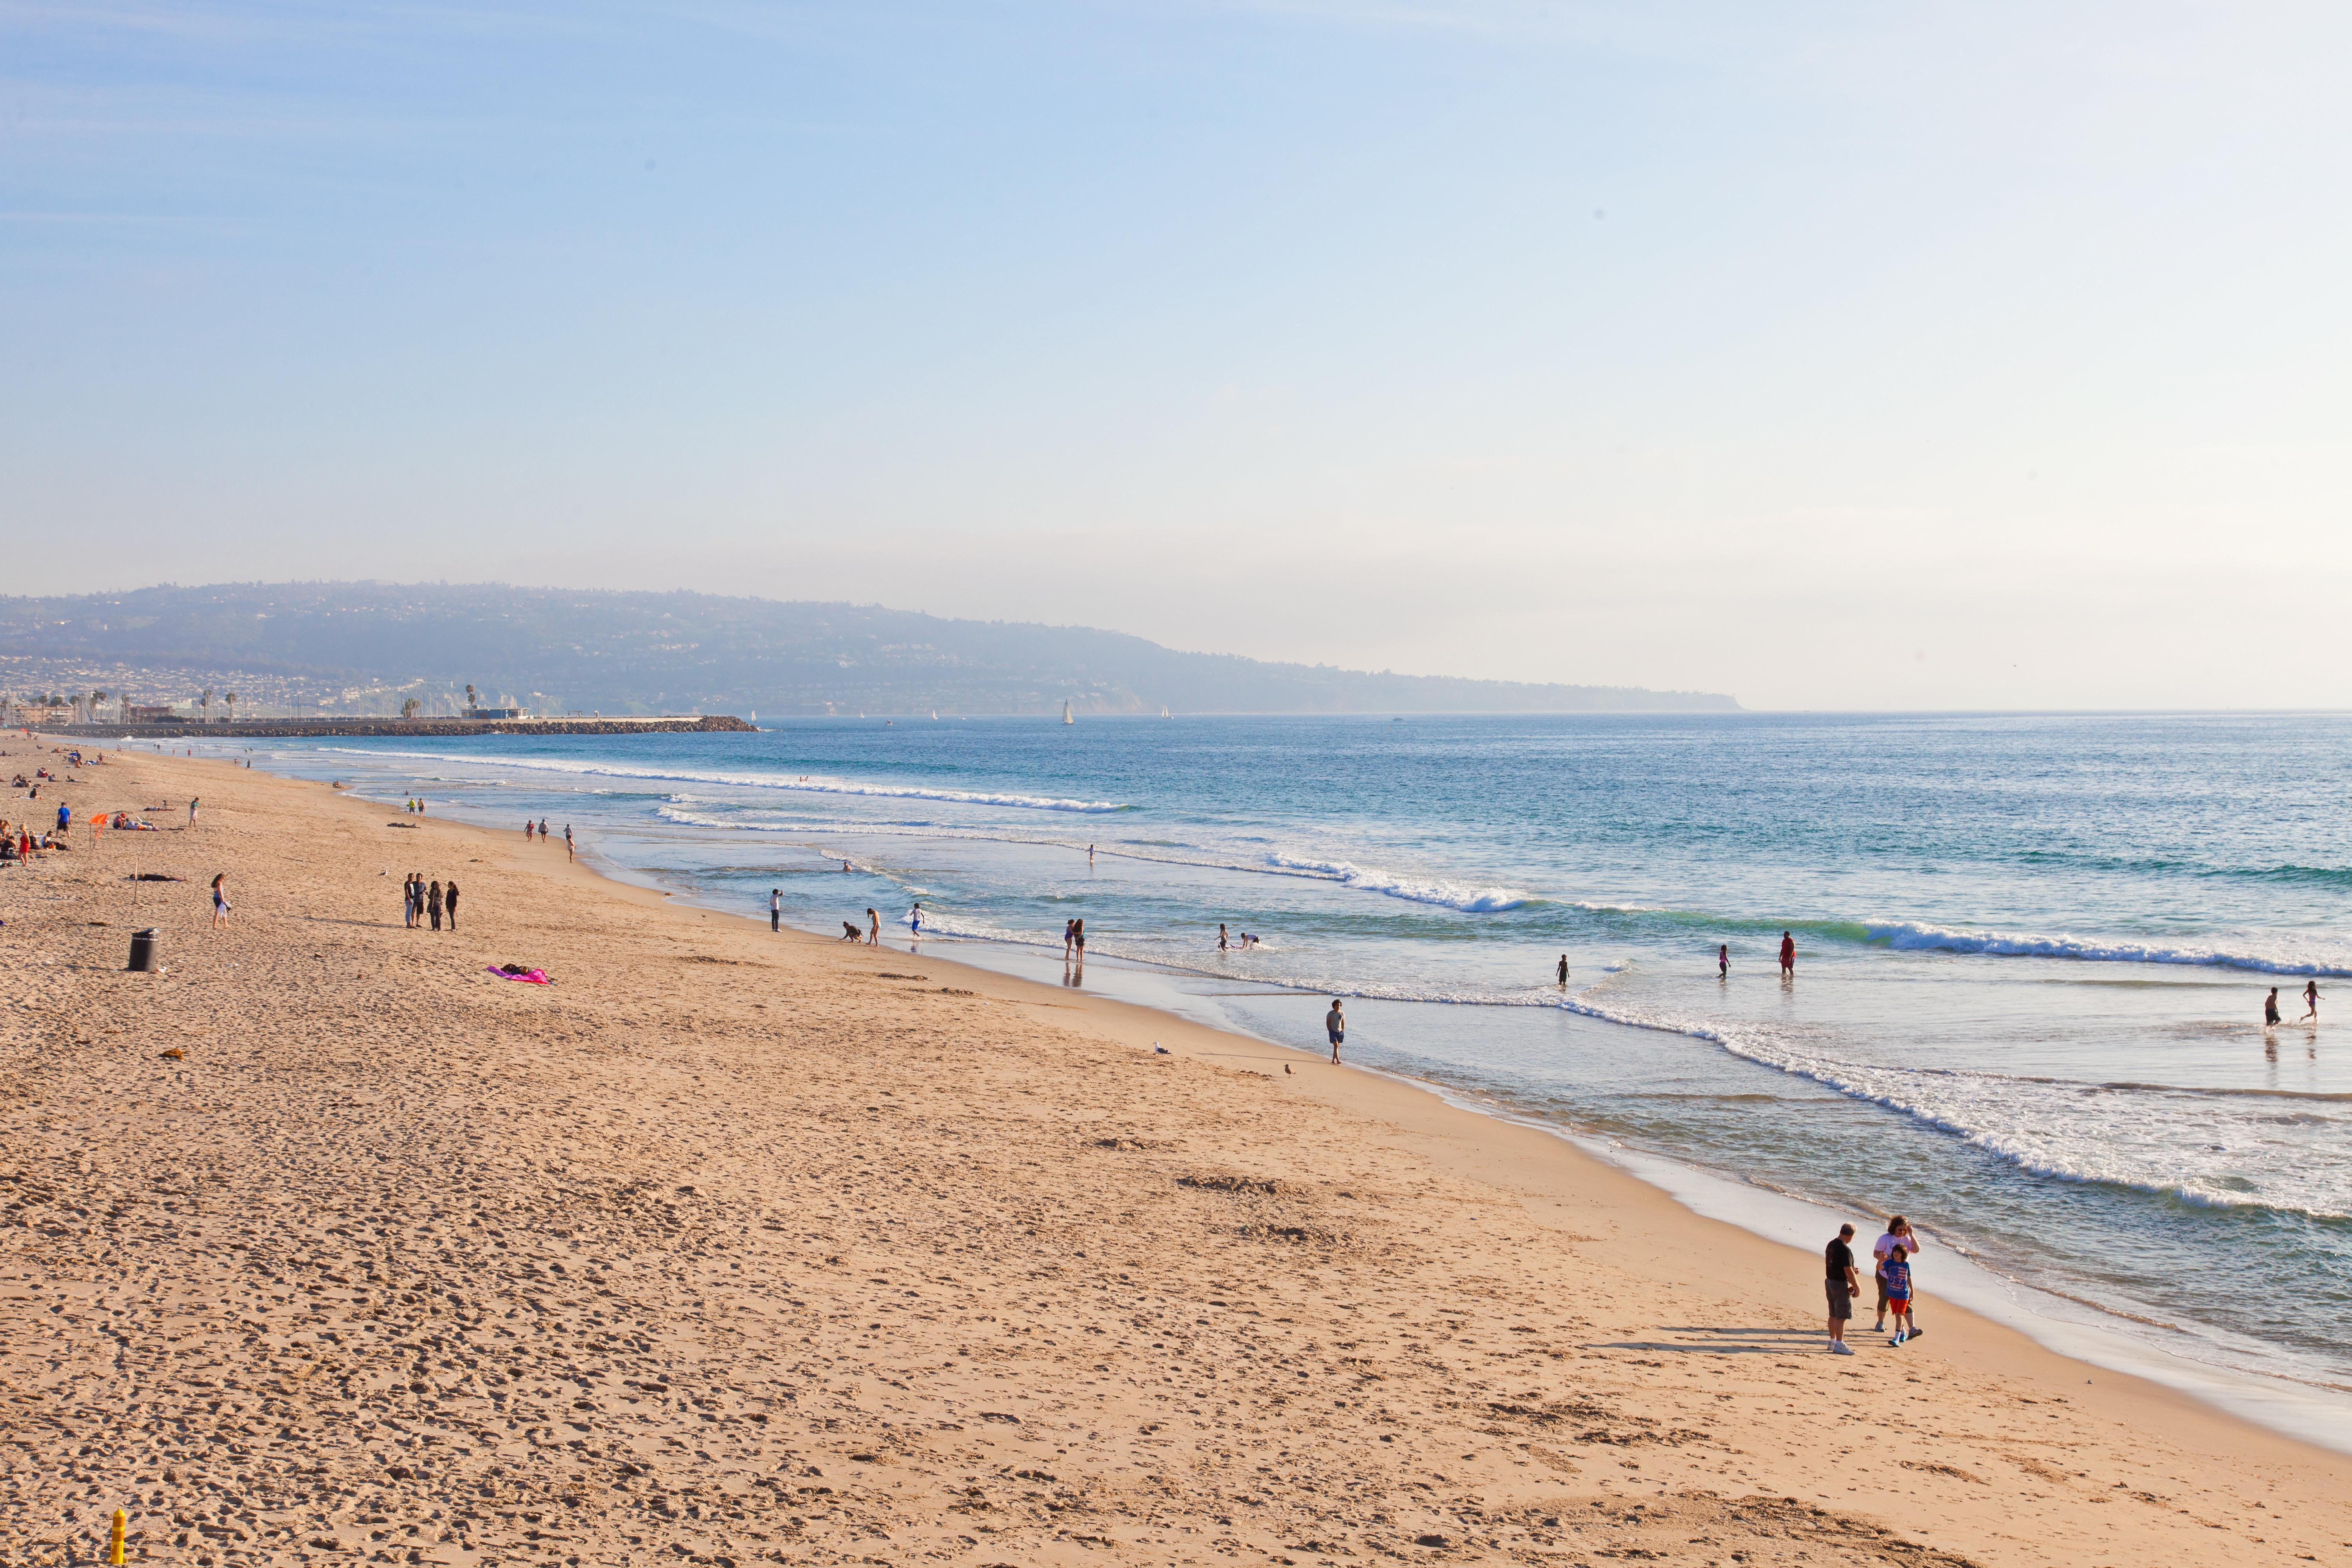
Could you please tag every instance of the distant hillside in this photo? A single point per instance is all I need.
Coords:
(361, 647)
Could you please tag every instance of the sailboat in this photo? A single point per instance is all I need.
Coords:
(1163, 711)
(1067, 717)
(935, 715)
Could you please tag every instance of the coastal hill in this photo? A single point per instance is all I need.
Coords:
(366, 647)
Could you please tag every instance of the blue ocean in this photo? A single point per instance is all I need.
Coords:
(2027, 1008)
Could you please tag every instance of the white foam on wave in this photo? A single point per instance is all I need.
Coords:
(679, 808)
(1906, 936)
(810, 784)
(2180, 1143)
(1449, 895)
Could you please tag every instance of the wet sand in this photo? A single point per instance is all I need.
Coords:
(733, 1246)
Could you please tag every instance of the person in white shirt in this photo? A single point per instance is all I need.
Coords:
(1899, 1233)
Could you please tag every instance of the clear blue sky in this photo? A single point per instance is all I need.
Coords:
(1840, 354)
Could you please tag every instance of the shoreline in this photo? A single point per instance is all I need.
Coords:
(2123, 1357)
(2302, 1413)
(1446, 1216)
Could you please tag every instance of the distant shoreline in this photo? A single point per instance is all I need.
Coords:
(264, 729)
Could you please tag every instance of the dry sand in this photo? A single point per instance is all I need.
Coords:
(732, 1246)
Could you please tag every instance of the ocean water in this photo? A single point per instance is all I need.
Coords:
(2026, 1009)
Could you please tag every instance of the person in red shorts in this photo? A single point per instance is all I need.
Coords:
(1899, 1292)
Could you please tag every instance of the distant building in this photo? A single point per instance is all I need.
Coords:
(145, 714)
(494, 713)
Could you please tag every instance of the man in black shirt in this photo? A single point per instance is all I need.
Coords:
(1843, 1285)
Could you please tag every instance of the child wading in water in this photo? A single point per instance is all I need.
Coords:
(1899, 1292)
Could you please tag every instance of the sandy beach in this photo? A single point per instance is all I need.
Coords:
(326, 1245)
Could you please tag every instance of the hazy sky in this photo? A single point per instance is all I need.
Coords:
(1899, 353)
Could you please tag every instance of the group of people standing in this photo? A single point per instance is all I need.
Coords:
(1892, 1254)
(422, 901)
(538, 829)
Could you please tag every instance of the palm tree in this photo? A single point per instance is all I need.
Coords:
(471, 701)
(208, 704)
(230, 698)
(408, 709)
(95, 699)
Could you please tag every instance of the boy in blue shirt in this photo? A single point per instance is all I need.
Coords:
(1897, 1275)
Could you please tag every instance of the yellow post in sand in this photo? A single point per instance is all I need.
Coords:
(114, 1538)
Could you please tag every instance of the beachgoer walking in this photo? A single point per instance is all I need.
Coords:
(2269, 1009)
(2310, 1003)
(915, 917)
(528, 830)
(567, 842)
(433, 903)
(220, 901)
(542, 830)
(1843, 1285)
(775, 909)
(1223, 942)
(1564, 972)
(873, 928)
(1078, 935)
(1788, 953)
(191, 812)
(1899, 1233)
(1723, 961)
(449, 901)
(1335, 1023)
(1898, 1294)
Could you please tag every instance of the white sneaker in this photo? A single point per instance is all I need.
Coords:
(1838, 1347)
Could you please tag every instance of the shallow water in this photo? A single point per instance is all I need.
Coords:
(2026, 1008)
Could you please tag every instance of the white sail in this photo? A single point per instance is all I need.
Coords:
(1163, 711)
(1067, 717)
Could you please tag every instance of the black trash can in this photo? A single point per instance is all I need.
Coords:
(143, 950)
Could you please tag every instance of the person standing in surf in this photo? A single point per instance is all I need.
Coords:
(1224, 941)
(2269, 1009)
(1564, 972)
(1788, 955)
(915, 919)
(775, 909)
(1723, 961)
(1335, 1023)
(873, 928)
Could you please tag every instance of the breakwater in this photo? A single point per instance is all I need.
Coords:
(264, 728)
